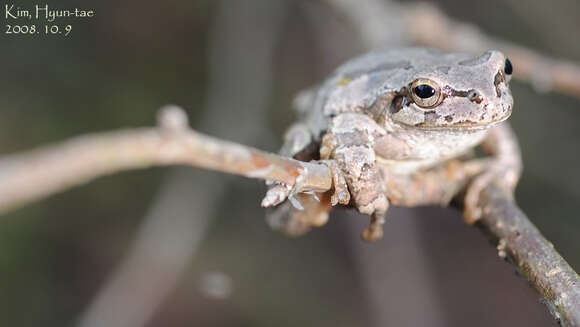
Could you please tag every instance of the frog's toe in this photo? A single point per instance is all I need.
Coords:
(276, 195)
(377, 209)
(375, 230)
(340, 194)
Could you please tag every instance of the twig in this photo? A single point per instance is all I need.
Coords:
(520, 242)
(31, 176)
(381, 22)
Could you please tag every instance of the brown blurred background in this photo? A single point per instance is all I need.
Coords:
(235, 67)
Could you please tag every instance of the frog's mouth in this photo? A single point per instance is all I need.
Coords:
(457, 114)
(462, 125)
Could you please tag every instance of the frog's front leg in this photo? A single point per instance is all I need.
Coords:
(298, 145)
(504, 168)
(349, 142)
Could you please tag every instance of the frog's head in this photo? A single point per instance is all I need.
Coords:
(456, 91)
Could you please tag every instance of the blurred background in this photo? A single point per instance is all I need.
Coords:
(185, 247)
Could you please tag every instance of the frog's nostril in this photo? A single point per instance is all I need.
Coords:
(397, 104)
(474, 96)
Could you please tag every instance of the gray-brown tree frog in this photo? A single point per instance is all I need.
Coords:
(398, 112)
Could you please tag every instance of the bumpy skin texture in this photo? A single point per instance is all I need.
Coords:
(400, 112)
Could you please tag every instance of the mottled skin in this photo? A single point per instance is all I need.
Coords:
(369, 121)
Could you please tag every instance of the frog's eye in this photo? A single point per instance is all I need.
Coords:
(426, 93)
(507, 67)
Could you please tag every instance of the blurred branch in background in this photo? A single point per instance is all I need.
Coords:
(242, 44)
(167, 239)
(386, 23)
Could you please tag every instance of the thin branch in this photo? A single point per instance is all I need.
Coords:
(520, 242)
(34, 175)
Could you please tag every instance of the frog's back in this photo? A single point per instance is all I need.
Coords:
(382, 60)
(355, 85)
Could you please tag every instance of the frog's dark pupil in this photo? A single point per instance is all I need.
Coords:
(508, 68)
(424, 91)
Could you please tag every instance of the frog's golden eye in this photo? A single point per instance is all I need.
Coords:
(426, 93)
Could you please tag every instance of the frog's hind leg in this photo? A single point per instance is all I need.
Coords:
(299, 143)
(503, 168)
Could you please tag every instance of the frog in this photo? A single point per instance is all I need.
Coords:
(397, 113)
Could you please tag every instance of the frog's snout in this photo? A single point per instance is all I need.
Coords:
(499, 106)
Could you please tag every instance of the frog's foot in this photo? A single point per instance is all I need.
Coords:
(340, 189)
(505, 176)
(375, 230)
(279, 192)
